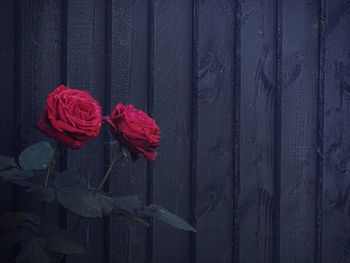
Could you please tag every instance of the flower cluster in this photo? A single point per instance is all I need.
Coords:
(72, 117)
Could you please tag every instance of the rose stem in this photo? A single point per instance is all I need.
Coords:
(109, 171)
(48, 173)
(122, 211)
(134, 218)
(51, 164)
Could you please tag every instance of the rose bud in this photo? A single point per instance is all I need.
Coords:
(135, 130)
(71, 117)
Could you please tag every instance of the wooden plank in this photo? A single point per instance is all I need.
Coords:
(299, 102)
(7, 95)
(128, 83)
(86, 71)
(172, 46)
(7, 103)
(257, 130)
(214, 82)
(336, 180)
(7, 76)
(38, 74)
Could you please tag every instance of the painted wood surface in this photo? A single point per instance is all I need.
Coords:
(252, 98)
(127, 82)
(85, 69)
(336, 83)
(38, 69)
(214, 82)
(171, 70)
(257, 130)
(7, 102)
(298, 133)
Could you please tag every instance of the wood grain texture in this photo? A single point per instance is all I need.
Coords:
(257, 130)
(252, 98)
(7, 95)
(299, 98)
(86, 71)
(336, 180)
(214, 160)
(39, 73)
(172, 104)
(7, 76)
(128, 83)
(7, 104)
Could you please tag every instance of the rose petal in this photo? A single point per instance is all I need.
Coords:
(134, 129)
(46, 129)
(71, 116)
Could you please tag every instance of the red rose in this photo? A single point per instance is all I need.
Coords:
(71, 117)
(134, 129)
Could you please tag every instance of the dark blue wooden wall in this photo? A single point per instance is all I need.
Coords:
(253, 101)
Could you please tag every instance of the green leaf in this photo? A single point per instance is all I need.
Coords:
(10, 239)
(164, 215)
(80, 201)
(16, 176)
(106, 203)
(127, 202)
(32, 252)
(69, 178)
(32, 187)
(61, 241)
(7, 163)
(14, 219)
(36, 157)
(134, 217)
(42, 241)
(20, 177)
(47, 194)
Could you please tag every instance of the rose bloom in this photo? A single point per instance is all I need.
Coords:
(71, 117)
(135, 130)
